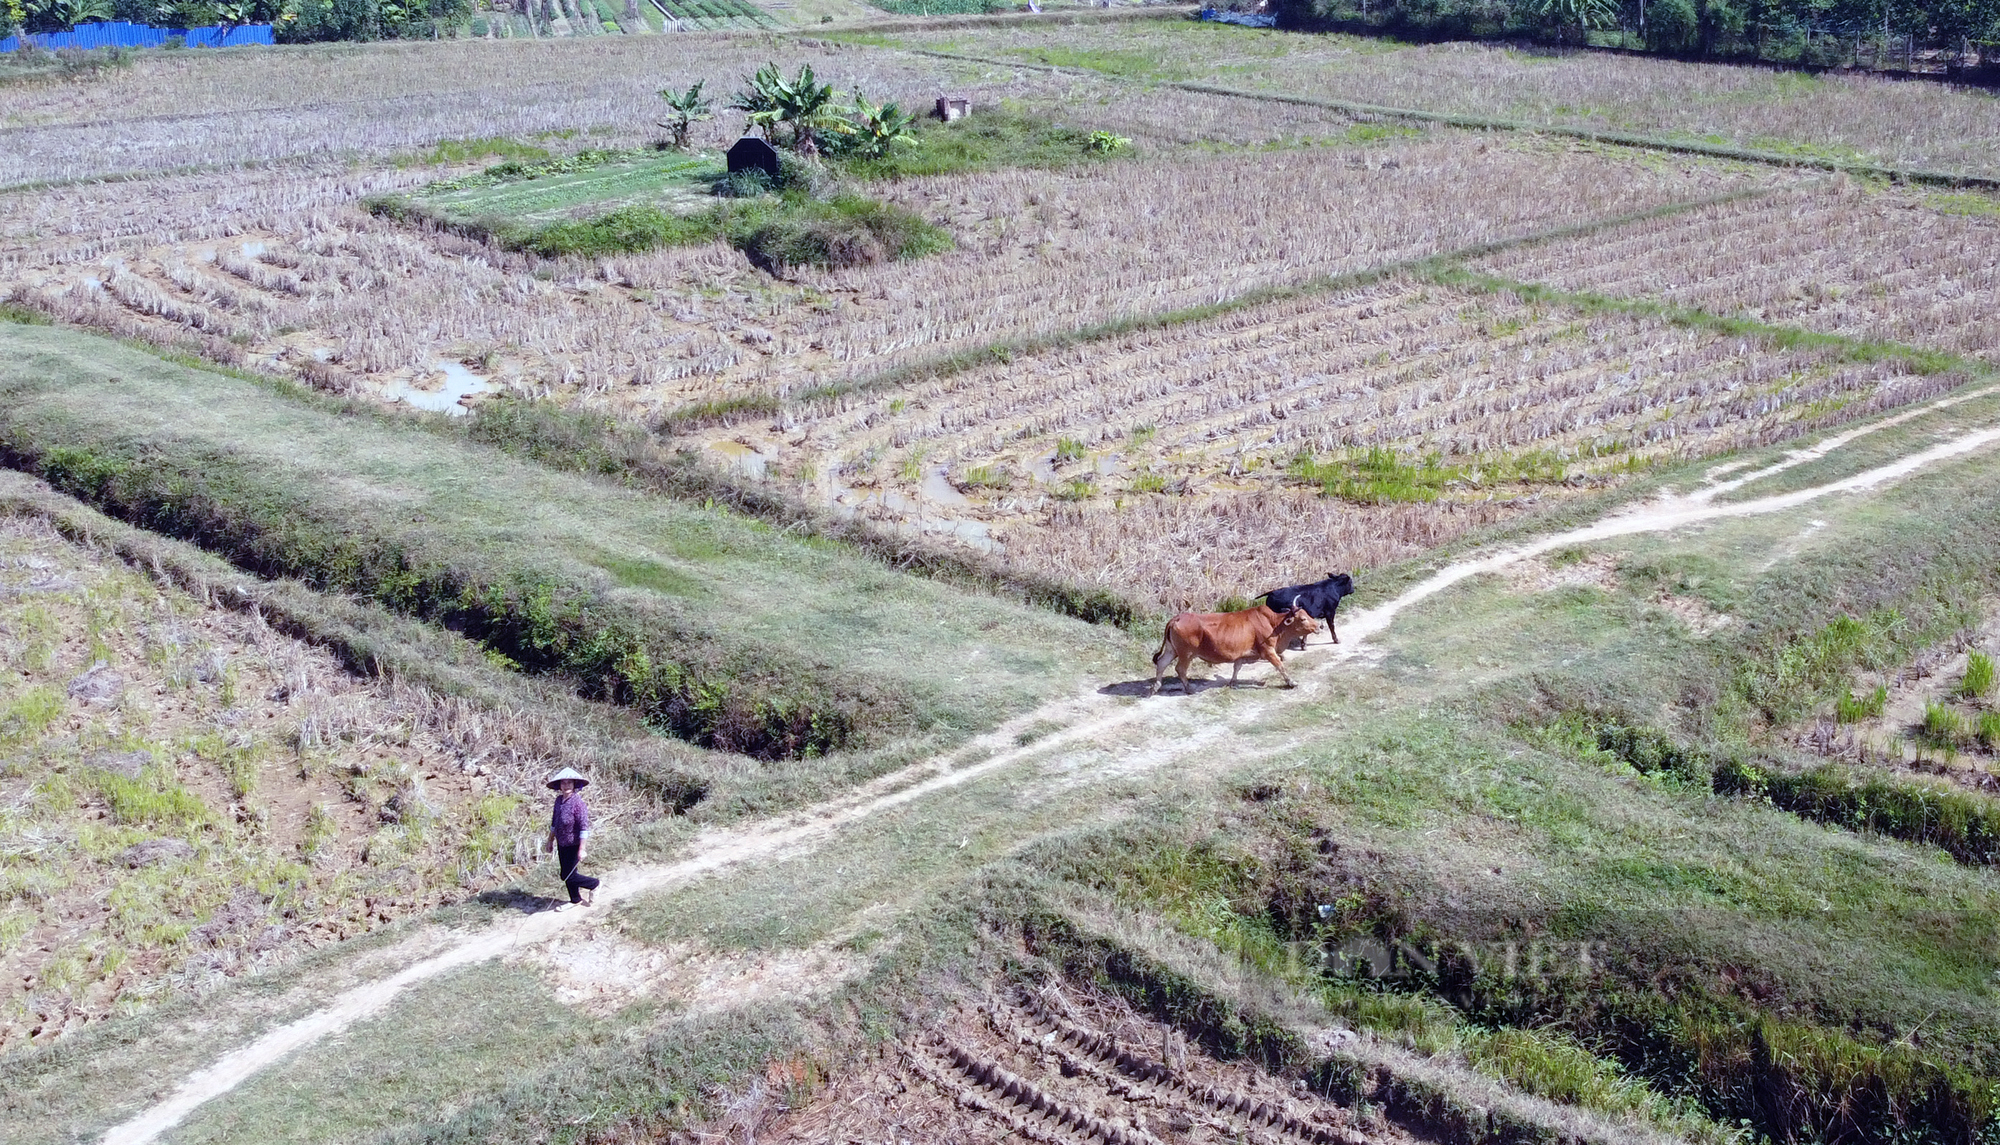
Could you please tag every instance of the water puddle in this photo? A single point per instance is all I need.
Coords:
(744, 459)
(252, 250)
(918, 512)
(459, 384)
(937, 487)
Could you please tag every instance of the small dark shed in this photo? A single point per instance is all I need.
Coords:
(753, 154)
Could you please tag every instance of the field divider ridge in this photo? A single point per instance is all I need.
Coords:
(1494, 123)
(1455, 275)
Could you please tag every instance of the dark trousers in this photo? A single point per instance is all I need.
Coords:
(566, 862)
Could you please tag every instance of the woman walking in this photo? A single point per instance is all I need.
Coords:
(569, 827)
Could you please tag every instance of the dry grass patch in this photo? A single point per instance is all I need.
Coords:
(167, 112)
(1841, 258)
(1861, 117)
(1422, 411)
(354, 302)
(198, 795)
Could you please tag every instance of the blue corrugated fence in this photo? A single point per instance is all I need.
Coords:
(120, 34)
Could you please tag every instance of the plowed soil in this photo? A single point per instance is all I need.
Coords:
(1060, 1066)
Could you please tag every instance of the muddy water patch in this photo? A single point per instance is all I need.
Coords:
(458, 384)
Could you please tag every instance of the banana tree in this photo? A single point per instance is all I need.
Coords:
(802, 107)
(1572, 20)
(685, 110)
(877, 128)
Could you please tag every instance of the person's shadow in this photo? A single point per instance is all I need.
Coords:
(515, 899)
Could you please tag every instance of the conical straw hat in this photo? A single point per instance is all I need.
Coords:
(568, 773)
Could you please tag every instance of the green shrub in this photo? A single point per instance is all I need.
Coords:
(1850, 709)
(623, 231)
(1105, 143)
(29, 714)
(987, 477)
(1652, 752)
(1965, 825)
(1077, 488)
(1988, 730)
(1377, 476)
(151, 800)
(1802, 671)
(1672, 27)
(845, 231)
(1978, 679)
(1068, 449)
(750, 183)
(1943, 726)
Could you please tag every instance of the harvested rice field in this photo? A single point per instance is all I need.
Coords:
(1848, 259)
(1831, 114)
(389, 425)
(1413, 410)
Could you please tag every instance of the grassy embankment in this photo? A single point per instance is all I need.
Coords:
(1743, 963)
(820, 216)
(721, 630)
(1613, 782)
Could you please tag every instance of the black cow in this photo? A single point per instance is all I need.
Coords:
(1319, 599)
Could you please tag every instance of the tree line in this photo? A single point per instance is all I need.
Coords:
(292, 21)
(1958, 36)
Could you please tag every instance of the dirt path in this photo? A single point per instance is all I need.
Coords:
(1086, 718)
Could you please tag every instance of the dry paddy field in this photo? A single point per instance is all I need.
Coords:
(1840, 258)
(1109, 462)
(1926, 125)
(194, 795)
(175, 112)
(1118, 364)
(280, 269)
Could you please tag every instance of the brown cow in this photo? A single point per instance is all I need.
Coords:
(1233, 638)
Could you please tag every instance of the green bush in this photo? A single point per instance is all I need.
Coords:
(1377, 476)
(151, 800)
(845, 231)
(1965, 825)
(29, 714)
(1850, 709)
(1978, 679)
(1652, 752)
(623, 231)
(1672, 27)
(992, 138)
(1943, 726)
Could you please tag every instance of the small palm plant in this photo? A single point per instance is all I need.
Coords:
(685, 109)
(877, 128)
(74, 12)
(802, 106)
(1572, 20)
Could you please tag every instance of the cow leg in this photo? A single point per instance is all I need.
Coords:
(1235, 666)
(1180, 669)
(1161, 659)
(1332, 631)
(1271, 654)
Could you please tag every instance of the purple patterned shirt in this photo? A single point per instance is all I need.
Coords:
(570, 821)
